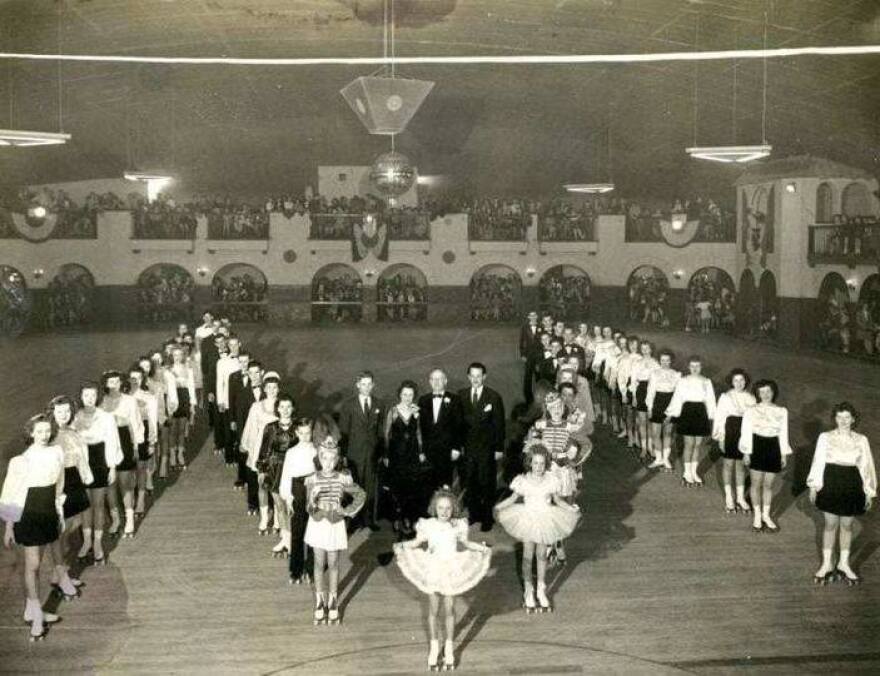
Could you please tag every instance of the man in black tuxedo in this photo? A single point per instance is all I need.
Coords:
(245, 388)
(361, 420)
(441, 423)
(529, 344)
(484, 423)
(211, 353)
(571, 348)
(548, 366)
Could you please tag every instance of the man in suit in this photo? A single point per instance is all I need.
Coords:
(245, 388)
(211, 352)
(529, 343)
(570, 348)
(227, 365)
(484, 423)
(441, 423)
(361, 420)
(549, 365)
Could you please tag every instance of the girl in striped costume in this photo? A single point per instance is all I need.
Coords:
(326, 491)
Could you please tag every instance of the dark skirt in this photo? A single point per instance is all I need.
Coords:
(144, 451)
(274, 465)
(842, 491)
(183, 403)
(661, 403)
(766, 456)
(600, 378)
(77, 500)
(129, 463)
(693, 421)
(641, 394)
(732, 429)
(98, 465)
(39, 524)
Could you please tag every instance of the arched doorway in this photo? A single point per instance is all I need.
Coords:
(70, 296)
(337, 294)
(868, 316)
(832, 322)
(564, 291)
(711, 301)
(165, 293)
(746, 306)
(647, 291)
(15, 301)
(768, 305)
(496, 294)
(824, 203)
(239, 291)
(855, 201)
(401, 294)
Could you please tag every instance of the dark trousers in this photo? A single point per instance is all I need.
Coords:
(301, 557)
(363, 471)
(216, 418)
(528, 379)
(481, 487)
(253, 501)
(223, 436)
(442, 467)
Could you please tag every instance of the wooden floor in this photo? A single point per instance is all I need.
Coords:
(659, 579)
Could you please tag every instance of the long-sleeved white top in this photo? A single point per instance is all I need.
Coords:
(624, 370)
(38, 466)
(180, 375)
(76, 453)
(765, 420)
(661, 380)
(730, 403)
(226, 366)
(641, 371)
(696, 389)
(600, 353)
(148, 405)
(99, 428)
(850, 449)
(299, 462)
(126, 412)
(159, 388)
(612, 358)
(252, 434)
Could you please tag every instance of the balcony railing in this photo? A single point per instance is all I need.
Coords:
(562, 228)
(844, 244)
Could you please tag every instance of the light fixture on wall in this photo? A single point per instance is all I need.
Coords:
(852, 283)
(531, 272)
(38, 211)
(202, 270)
(38, 273)
(678, 221)
(678, 274)
(369, 273)
(791, 187)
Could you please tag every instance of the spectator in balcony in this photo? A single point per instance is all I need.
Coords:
(338, 299)
(69, 301)
(400, 298)
(166, 294)
(493, 297)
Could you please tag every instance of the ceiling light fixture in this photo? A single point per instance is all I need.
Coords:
(729, 153)
(154, 180)
(23, 139)
(589, 188)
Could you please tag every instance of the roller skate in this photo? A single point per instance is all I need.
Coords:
(543, 601)
(30, 608)
(448, 656)
(846, 574)
(67, 587)
(529, 599)
(281, 550)
(114, 523)
(824, 576)
(434, 656)
(263, 526)
(38, 620)
(769, 525)
(320, 616)
(100, 558)
(333, 615)
(128, 533)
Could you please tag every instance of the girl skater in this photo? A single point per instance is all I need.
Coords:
(539, 521)
(661, 385)
(625, 366)
(449, 566)
(638, 388)
(261, 414)
(843, 484)
(181, 389)
(130, 425)
(148, 405)
(764, 445)
(156, 384)
(693, 408)
(325, 532)
(77, 476)
(299, 464)
(726, 430)
(278, 436)
(98, 429)
(31, 505)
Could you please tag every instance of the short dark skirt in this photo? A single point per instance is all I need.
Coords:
(766, 456)
(732, 429)
(144, 450)
(693, 421)
(183, 403)
(641, 395)
(842, 491)
(272, 467)
(98, 465)
(77, 500)
(660, 404)
(39, 523)
(129, 462)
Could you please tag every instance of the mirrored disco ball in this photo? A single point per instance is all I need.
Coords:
(392, 174)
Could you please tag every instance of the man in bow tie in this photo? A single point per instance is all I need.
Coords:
(245, 388)
(360, 424)
(484, 423)
(529, 349)
(441, 423)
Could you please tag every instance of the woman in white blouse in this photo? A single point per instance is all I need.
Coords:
(693, 407)
(603, 349)
(148, 406)
(181, 388)
(98, 429)
(843, 484)
(261, 414)
(764, 444)
(31, 504)
(726, 430)
(619, 352)
(158, 386)
(638, 388)
(661, 385)
(625, 367)
(130, 426)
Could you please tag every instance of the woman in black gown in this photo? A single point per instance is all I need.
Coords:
(405, 461)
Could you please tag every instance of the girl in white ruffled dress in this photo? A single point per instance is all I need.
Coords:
(538, 517)
(449, 566)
